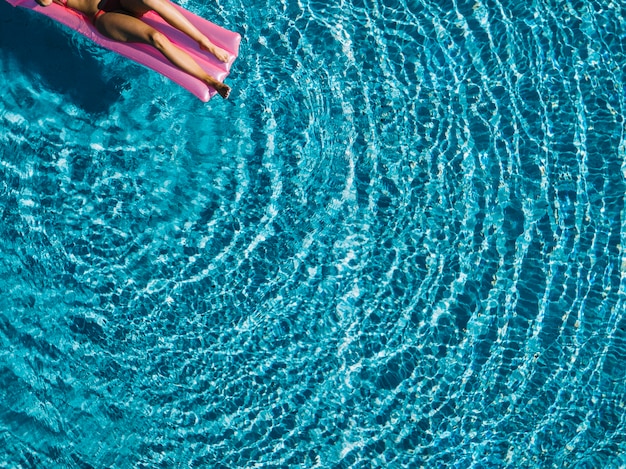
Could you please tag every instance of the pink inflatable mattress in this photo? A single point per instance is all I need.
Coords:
(149, 56)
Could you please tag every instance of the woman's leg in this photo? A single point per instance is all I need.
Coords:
(170, 14)
(125, 28)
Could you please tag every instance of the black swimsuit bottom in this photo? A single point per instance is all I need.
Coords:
(106, 6)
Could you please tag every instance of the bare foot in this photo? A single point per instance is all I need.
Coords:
(223, 90)
(208, 46)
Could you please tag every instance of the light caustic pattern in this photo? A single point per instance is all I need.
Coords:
(399, 244)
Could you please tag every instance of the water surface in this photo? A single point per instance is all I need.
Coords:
(398, 244)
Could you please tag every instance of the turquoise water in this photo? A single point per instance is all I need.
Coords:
(398, 244)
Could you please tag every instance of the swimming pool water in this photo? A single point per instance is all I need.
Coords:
(398, 244)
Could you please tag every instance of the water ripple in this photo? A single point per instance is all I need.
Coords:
(399, 244)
